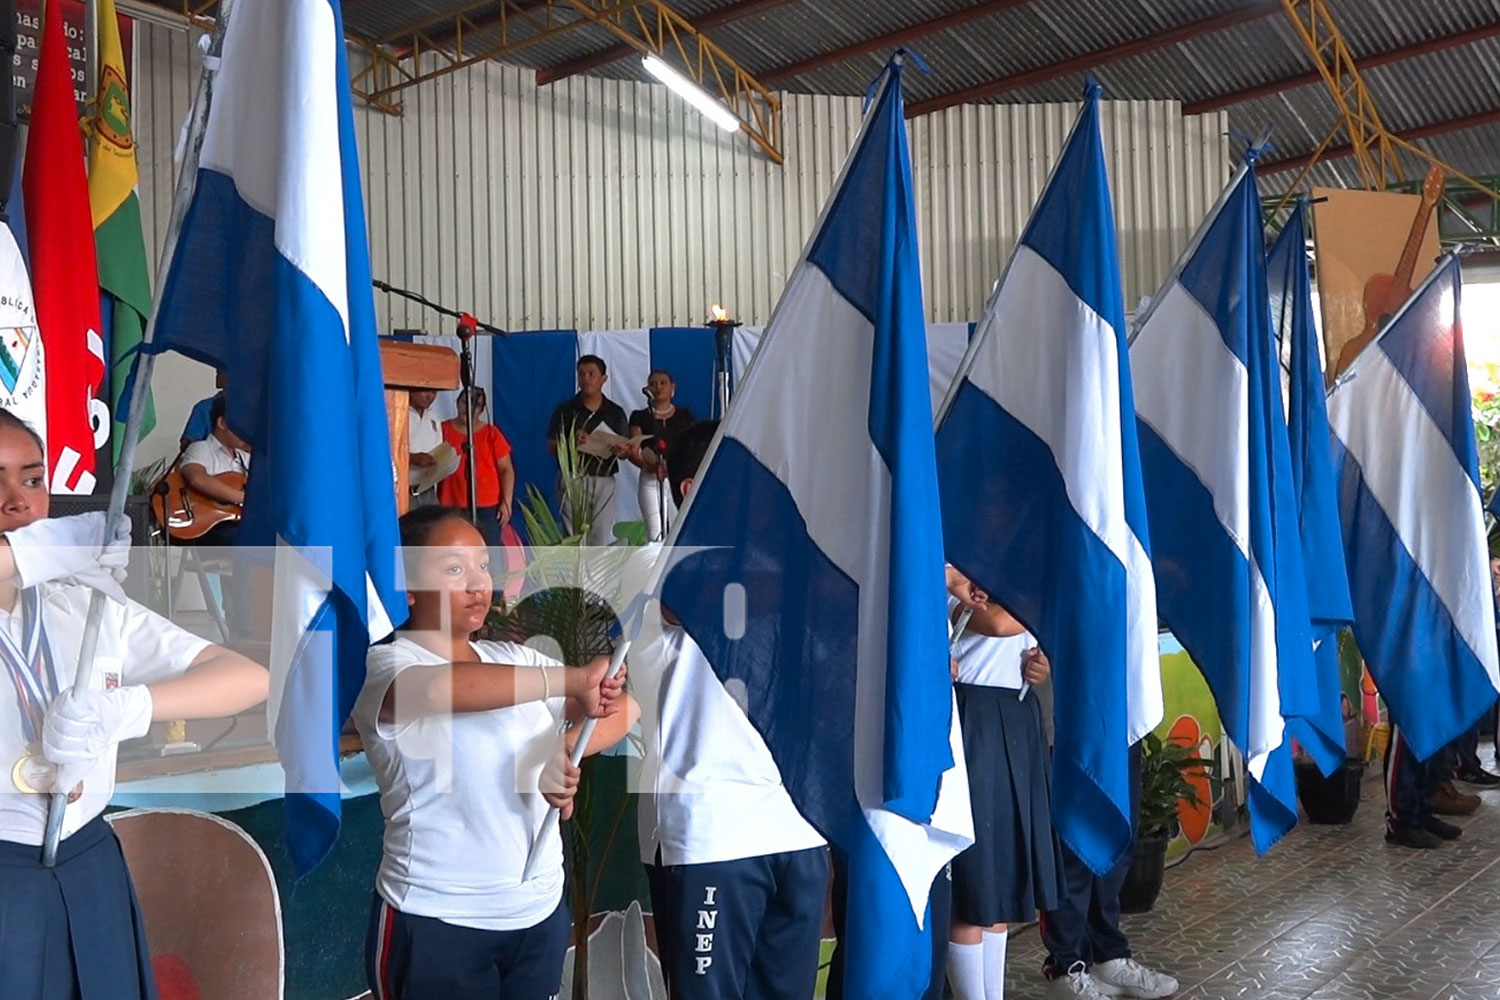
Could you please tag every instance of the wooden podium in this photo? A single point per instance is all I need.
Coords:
(405, 367)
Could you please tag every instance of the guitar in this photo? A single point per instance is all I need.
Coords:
(1385, 294)
(188, 514)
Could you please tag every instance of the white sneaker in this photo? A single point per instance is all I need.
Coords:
(1125, 977)
(1076, 982)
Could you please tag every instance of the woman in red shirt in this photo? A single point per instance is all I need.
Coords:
(495, 485)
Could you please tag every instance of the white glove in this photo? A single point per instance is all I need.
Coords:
(81, 727)
(57, 547)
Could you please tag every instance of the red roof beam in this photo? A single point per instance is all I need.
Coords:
(888, 41)
(1410, 135)
(1428, 47)
(1082, 64)
(705, 22)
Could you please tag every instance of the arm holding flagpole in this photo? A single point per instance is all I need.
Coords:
(140, 382)
(575, 758)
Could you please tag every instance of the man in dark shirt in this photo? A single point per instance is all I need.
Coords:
(579, 416)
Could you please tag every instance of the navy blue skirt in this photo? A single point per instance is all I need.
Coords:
(1014, 868)
(74, 932)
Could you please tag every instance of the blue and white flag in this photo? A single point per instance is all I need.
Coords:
(1328, 604)
(824, 600)
(271, 282)
(1414, 537)
(1214, 453)
(1043, 505)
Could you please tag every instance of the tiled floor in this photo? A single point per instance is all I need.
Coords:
(1332, 913)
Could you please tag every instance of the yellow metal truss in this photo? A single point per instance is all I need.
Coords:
(1369, 139)
(497, 28)
(1373, 146)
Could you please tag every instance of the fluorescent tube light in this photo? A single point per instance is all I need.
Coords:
(692, 93)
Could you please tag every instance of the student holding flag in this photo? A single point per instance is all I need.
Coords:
(1052, 525)
(738, 877)
(75, 930)
(829, 545)
(1414, 542)
(462, 738)
(1014, 868)
(1226, 546)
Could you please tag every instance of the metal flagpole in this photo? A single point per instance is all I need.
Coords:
(140, 382)
(575, 758)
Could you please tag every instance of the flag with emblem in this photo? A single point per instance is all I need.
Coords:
(23, 375)
(63, 271)
(121, 247)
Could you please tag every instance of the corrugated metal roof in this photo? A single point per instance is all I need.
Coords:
(1414, 93)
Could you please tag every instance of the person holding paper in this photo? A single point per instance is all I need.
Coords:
(660, 424)
(495, 481)
(580, 416)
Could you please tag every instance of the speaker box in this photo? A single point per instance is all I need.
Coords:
(138, 509)
(142, 528)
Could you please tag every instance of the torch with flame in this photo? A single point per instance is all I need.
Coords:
(723, 328)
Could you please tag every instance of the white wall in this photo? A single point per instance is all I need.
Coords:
(598, 204)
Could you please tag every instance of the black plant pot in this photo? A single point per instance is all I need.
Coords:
(1148, 866)
(1330, 800)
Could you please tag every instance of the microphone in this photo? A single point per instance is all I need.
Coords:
(647, 393)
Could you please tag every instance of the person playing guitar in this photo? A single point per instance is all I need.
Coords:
(213, 471)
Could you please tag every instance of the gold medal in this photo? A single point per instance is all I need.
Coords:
(32, 774)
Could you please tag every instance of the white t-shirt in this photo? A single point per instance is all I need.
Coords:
(460, 799)
(717, 791)
(215, 456)
(990, 661)
(423, 432)
(136, 646)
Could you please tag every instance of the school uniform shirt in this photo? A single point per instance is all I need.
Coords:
(136, 646)
(215, 456)
(460, 799)
(991, 661)
(423, 432)
(718, 794)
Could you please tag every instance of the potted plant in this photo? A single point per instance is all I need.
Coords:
(1165, 769)
(567, 603)
(1333, 799)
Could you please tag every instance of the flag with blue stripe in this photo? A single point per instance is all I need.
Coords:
(1043, 504)
(1414, 540)
(818, 505)
(1225, 547)
(1328, 604)
(271, 282)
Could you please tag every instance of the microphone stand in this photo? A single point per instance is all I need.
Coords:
(659, 446)
(477, 327)
(467, 326)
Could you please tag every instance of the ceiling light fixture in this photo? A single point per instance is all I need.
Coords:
(692, 93)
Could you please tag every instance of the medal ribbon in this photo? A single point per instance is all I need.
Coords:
(30, 666)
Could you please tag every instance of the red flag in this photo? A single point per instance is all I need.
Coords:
(64, 273)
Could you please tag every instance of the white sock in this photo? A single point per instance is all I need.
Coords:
(966, 971)
(994, 964)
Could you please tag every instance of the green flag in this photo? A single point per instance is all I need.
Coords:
(118, 239)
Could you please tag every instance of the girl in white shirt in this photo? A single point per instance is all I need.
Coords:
(1014, 867)
(463, 738)
(75, 931)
